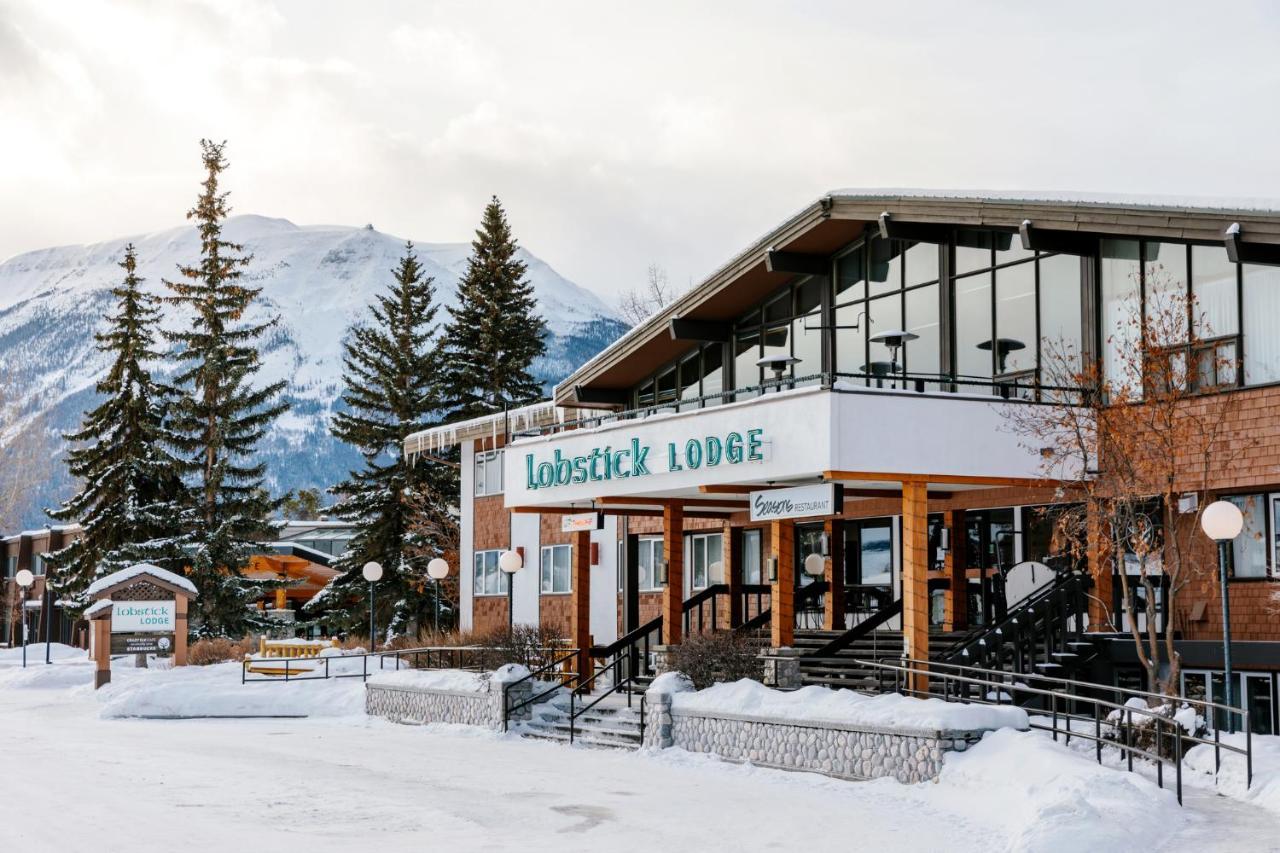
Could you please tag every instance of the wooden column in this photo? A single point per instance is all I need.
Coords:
(833, 574)
(782, 548)
(732, 557)
(1098, 552)
(915, 576)
(180, 630)
(957, 565)
(580, 601)
(673, 590)
(101, 650)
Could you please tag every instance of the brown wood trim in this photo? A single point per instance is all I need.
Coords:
(661, 502)
(951, 479)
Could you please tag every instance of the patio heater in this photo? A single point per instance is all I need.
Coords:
(1002, 346)
(24, 579)
(438, 570)
(778, 364)
(894, 340)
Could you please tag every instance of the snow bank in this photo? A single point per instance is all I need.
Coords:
(824, 705)
(671, 682)
(509, 673)
(1265, 790)
(216, 691)
(39, 676)
(35, 652)
(1047, 797)
(433, 679)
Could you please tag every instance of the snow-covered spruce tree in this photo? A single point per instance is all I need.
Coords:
(391, 369)
(131, 499)
(220, 417)
(494, 333)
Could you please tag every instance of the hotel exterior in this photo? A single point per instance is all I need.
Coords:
(813, 445)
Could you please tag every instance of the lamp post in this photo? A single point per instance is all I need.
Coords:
(24, 579)
(372, 573)
(46, 615)
(438, 570)
(1222, 522)
(510, 562)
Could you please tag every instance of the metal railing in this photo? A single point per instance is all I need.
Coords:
(536, 676)
(472, 658)
(1012, 387)
(1040, 626)
(584, 686)
(1070, 703)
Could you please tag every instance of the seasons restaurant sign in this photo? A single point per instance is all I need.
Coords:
(637, 459)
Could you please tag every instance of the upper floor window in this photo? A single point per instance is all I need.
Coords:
(489, 579)
(489, 473)
(11, 566)
(555, 568)
(37, 565)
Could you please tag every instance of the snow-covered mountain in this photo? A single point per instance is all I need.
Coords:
(318, 279)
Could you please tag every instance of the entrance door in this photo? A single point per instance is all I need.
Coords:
(808, 541)
(990, 538)
(868, 567)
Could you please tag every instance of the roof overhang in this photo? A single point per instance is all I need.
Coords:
(1053, 221)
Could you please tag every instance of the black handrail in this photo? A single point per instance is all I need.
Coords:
(803, 596)
(1056, 603)
(508, 709)
(857, 632)
(1012, 684)
(445, 657)
(619, 681)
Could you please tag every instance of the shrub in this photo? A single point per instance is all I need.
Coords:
(716, 656)
(220, 649)
(1155, 737)
(523, 644)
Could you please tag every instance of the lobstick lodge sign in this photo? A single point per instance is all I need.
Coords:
(635, 459)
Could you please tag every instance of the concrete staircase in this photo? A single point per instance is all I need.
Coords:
(609, 725)
(882, 646)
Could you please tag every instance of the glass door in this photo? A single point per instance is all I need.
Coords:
(868, 566)
(809, 541)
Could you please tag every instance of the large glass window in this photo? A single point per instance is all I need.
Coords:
(555, 568)
(1213, 284)
(751, 557)
(973, 327)
(1261, 322)
(1121, 304)
(649, 558)
(1060, 338)
(488, 471)
(712, 374)
(690, 380)
(705, 559)
(746, 352)
(924, 355)
(1249, 550)
(489, 579)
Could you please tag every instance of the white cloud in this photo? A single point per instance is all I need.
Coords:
(616, 135)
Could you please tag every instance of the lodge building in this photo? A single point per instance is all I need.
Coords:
(813, 443)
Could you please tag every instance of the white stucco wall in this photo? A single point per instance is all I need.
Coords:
(466, 535)
(525, 533)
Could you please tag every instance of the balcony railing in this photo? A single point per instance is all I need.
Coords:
(1021, 387)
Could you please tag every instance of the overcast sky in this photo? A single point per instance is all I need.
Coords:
(617, 135)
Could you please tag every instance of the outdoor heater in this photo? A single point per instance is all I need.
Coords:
(893, 339)
(778, 364)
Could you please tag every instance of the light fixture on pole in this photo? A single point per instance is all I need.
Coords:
(778, 364)
(1222, 522)
(510, 562)
(372, 573)
(24, 579)
(815, 566)
(438, 570)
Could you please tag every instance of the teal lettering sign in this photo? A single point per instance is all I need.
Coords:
(633, 459)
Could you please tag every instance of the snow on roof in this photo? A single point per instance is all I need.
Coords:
(97, 607)
(531, 416)
(1168, 201)
(108, 581)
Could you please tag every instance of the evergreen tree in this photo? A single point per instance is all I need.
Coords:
(221, 417)
(131, 498)
(494, 333)
(390, 366)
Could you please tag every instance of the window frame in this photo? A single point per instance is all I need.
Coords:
(485, 461)
(548, 588)
(479, 587)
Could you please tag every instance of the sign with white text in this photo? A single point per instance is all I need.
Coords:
(797, 502)
(131, 617)
(149, 643)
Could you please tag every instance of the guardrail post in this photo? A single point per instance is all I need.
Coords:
(1177, 756)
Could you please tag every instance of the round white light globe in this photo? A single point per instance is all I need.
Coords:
(510, 562)
(372, 571)
(815, 565)
(1222, 520)
(24, 578)
(438, 569)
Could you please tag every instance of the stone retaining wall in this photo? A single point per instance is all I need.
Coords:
(836, 749)
(417, 705)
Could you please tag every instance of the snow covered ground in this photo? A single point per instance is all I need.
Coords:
(342, 781)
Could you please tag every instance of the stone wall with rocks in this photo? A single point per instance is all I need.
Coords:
(844, 751)
(417, 705)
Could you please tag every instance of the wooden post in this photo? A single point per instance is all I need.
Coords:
(180, 630)
(673, 591)
(101, 651)
(833, 574)
(915, 576)
(957, 567)
(1098, 550)
(580, 601)
(732, 557)
(782, 548)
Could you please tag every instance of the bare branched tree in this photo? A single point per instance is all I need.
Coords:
(637, 305)
(1144, 430)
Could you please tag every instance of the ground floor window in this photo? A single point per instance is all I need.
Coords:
(1250, 551)
(555, 568)
(751, 557)
(648, 561)
(489, 579)
(1254, 691)
(705, 559)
